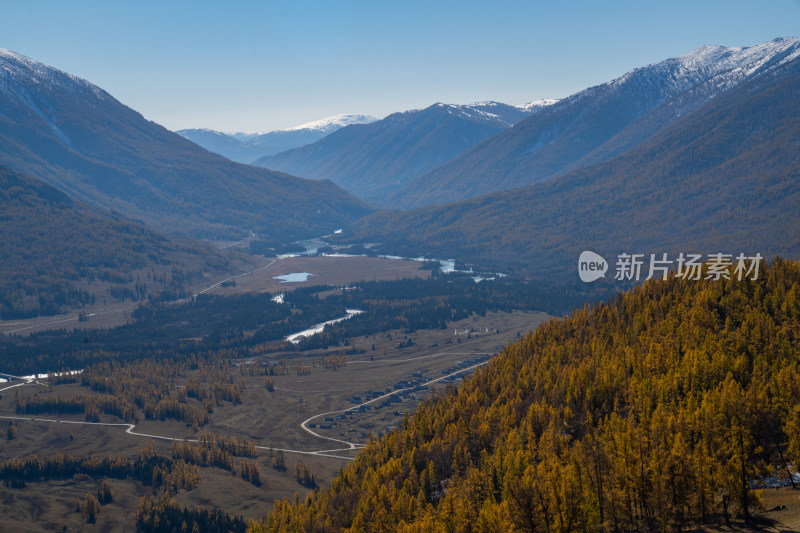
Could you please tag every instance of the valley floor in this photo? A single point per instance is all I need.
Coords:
(271, 420)
(324, 270)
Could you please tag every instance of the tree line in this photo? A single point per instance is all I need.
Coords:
(148, 467)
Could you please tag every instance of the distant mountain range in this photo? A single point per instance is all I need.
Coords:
(722, 177)
(247, 147)
(697, 151)
(447, 153)
(594, 125)
(372, 161)
(75, 136)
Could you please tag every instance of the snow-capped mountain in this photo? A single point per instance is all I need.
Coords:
(78, 138)
(220, 143)
(247, 147)
(333, 123)
(376, 159)
(597, 123)
(16, 69)
(496, 113)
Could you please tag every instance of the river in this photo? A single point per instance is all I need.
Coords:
(296, 337)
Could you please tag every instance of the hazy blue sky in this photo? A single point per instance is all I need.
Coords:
(257, 66)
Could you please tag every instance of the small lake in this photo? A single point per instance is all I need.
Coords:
(294, 277)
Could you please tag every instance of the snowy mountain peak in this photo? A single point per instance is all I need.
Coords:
(17, 69)
(200, 130)
(247, 147)
(734, 57)
(488, 111)
(713, 68)
(9, 60)
(538, 104)
(332, 123)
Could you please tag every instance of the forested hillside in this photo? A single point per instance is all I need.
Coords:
(60, 254)
(658, 410)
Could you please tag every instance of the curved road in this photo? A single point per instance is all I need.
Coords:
(131, 430)
(304, 425)
(131, 427)
(356, 446)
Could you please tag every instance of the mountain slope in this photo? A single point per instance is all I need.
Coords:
(247, 147)
(649, 413)
(79, 139)
(374, 160)
(722, 179)
(60, 254)
(596, 124)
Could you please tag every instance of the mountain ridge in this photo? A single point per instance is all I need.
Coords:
(78, 138)
(374, 160)
(595, 124)
(722, 176)
(247, 147)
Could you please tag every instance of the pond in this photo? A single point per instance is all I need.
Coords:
(294, 277)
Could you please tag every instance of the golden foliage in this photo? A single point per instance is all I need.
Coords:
(663, 407)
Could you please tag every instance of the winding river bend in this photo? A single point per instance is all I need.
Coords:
(317, 328)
